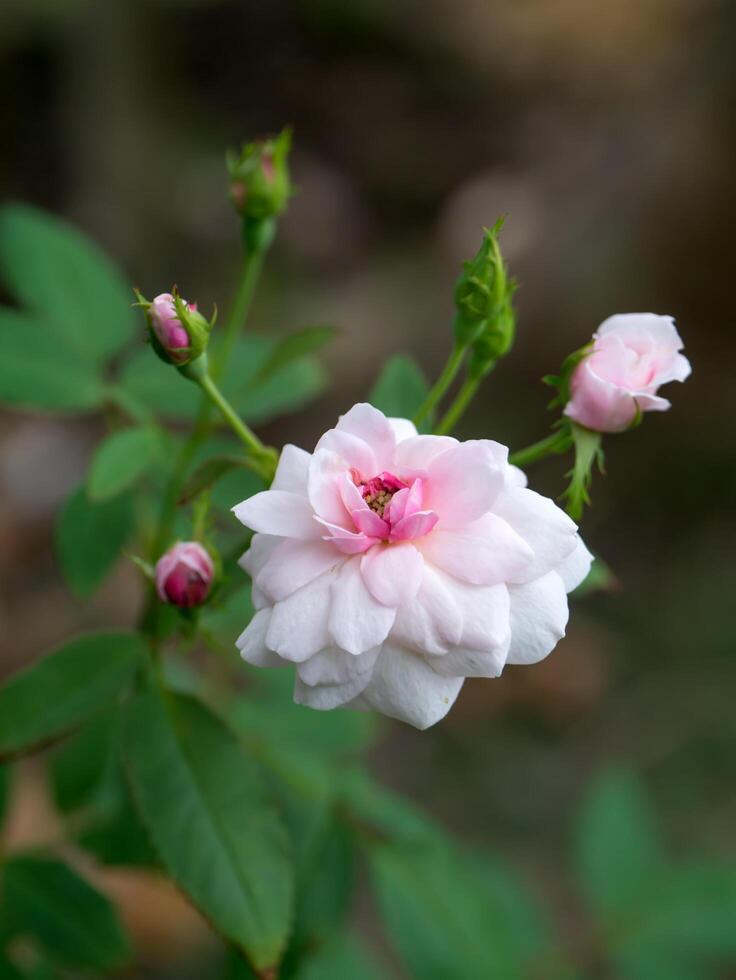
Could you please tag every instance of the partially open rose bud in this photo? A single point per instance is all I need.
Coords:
(632, 354)
(184, 575)
(179, 333)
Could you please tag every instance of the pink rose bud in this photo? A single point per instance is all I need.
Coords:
(170, 331)
(184, 575)
(631, 356)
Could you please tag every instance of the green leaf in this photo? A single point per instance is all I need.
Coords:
(273, 717)
(79, 766)
(600, 578)
(60, 275)
(400, 389)
(294, 346)
(208, 473)
(8, 971)
(618, 848)
(73, 922)
(4, 791)
(46, 701)
(89, 538)
(163, 390)
(121, 459)
(444, 916)
(288, 389)
(39, 371)
(344, 957)
(203, 801)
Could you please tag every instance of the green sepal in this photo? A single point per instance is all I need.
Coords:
(260, 186)
(588, 453)
(562, 380)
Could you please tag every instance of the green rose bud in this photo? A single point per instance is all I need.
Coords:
(259, 177)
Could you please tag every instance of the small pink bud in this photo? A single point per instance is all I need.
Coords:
(169, 330)
(184, 575)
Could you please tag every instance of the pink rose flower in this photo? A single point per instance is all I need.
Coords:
(170, 331)
(633, 354)
(184, 575)
(389, 566)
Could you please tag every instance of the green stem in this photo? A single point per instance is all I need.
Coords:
(457, 408)
(265, 456)
(443, 382)
(250, 273)
(557, 442)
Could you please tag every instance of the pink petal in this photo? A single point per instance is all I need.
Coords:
(357, 621)
(431, 622)
(418, 453)
(353, 451)
(486, 552)
(372, 426)
(348, 542)
(279, 512)
(292, 564)
(546, 528)
(538, 618)
(370, 523)
(414, 526)
(393, 572)
(252, 642)
(298, 627)
(335, 666)
(326, 474)
(404, 686)
(292, 471)
(462, 484)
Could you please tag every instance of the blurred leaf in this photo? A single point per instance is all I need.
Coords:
(164, 391)
(291, 387)
(400, 389)
(60, 274)
(86, 774)
(73, 922)
(118, 838)
(89, 538)
(37, 370)
(600, 578)
(323, 849)
(78, 767)
(120, 460)
(4, 791)
(444, 915)
(205, 806)
(272, 716)
(296, 345)
(208, 473)
(345, 957)
(8, 971)
(56, 695)
(618, 846)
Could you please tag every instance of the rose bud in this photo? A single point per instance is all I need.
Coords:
(259, 177)
(178, 332)
(184, 575)
(631, 355)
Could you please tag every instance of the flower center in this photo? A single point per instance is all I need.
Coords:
(378, 491)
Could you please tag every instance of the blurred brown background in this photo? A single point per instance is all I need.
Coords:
(606, 133)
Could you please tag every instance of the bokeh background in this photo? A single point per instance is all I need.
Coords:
(606, 133)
